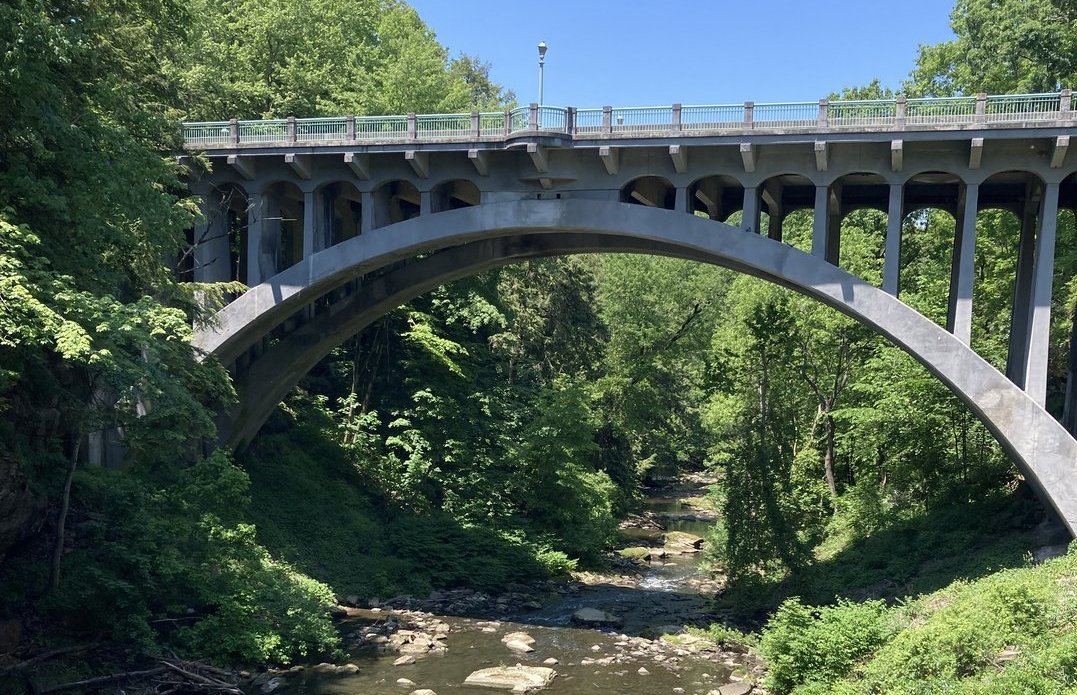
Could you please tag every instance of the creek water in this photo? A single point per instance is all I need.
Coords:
(655, 598)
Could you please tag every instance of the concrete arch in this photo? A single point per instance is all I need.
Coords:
(716, 195)
(650, 191)
(396, 200)
(1037, 443)
(338, 212)
(452, 194)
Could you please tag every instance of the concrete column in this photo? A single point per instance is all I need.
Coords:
(895, 214)
(1043, 276)
(271, 237)
(959, 311)
(774, 225)
(749, 218)
(1017, 353)
(309, 206)
(819, 223)
(255, 231)
(833, 227)
(680, 203)
(425, 205)
(366, 222)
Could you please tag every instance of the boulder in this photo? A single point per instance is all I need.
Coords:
(680, 539)
(518, 637)
(404, 682)
(424, 691)
(593, 616)
(404, 660)
(742, 688)
(519, 646)
(517, 678)
(347, 670)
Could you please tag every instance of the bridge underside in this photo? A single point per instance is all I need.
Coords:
(461, 242)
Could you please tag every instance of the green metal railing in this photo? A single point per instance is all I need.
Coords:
(639, 121)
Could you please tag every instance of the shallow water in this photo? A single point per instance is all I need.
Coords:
(660, 597)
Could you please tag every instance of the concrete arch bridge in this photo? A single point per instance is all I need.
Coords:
(333, 222)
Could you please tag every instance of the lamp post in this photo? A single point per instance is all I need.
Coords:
(542, 64)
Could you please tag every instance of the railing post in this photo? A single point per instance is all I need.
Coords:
(412, 127)
(824, 116)
(476, 129)
(899, 111)
(676, 117)
(570, 120)
(349, 128)
(607, 119)
(533, 116)
(291, 129)
(508, 121)
(1065, 105)
(749, 114)
(981, 107)
(233, 131)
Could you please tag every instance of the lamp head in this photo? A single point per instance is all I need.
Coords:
(542, 49)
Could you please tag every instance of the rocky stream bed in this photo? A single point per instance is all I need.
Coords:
(621, 631)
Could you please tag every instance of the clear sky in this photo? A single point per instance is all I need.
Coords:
(656, 52)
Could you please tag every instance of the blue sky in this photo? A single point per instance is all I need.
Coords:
(655, 52)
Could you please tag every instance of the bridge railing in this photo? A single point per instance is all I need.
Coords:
(639, 121)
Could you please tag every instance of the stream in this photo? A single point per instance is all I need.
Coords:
(411, 646)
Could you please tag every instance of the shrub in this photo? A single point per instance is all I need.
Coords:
(803, 644)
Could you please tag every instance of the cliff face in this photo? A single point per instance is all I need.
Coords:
(21, 511)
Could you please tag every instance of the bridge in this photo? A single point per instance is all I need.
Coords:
(332, 222)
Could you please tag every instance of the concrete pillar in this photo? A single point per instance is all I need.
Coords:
(309, 225)
(366, 222)
(425, 203)
(774, 225)
(255, 231)
(1042, 277)
(1017, 354)
(895, 214)
(269, 255)
(749, 218)
(680, 201)
(819, 223)
(959, 311)
(212, 256)
(833, 227)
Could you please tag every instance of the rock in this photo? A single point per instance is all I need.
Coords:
(518, 637)
(519, 646)
(404, 660)
(1047, 552)
(551, 661)
(347, 670)
(742, 688)
(405, 682)
(517, 678)
(643, 672)
(680, 539)
(593, 616)
(270, 685)
(424, 691)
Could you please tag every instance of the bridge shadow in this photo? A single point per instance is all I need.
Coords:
(961, 540)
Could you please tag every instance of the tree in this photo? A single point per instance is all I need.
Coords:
(1002, 46)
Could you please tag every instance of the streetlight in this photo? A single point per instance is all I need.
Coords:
(542, 64)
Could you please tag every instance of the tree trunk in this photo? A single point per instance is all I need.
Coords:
(61, 520)
(828, 456)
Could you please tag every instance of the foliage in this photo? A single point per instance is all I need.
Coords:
(802, 644)
(1002, 47)
(1008, 632)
